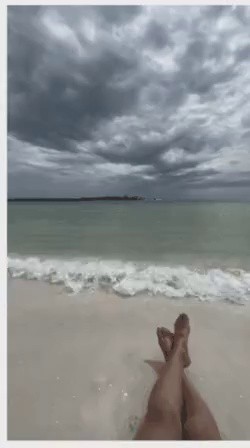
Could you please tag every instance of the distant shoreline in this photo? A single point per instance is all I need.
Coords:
(121, 198)
(83, 199)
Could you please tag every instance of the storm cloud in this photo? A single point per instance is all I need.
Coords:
(149, 100)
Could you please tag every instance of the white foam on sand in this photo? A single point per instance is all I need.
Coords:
(131, 279)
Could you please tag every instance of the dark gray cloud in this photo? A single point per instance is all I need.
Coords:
(118, 14)
(156, 35)
(149, 100)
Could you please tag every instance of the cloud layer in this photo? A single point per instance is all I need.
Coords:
(149, 100)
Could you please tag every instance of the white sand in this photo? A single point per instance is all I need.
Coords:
(76, 363)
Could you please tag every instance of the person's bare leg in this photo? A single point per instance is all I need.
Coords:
(199, 423)
(163, 417)
(197, 420)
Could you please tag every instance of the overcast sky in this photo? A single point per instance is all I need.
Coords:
(151, 100)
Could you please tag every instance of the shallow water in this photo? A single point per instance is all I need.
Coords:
(178, 250)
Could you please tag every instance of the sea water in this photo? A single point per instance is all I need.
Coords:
(178, 250)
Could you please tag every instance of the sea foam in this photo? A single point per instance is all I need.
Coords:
(131, 279)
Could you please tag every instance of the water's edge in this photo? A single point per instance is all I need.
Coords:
(132, 279)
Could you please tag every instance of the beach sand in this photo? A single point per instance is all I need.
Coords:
(76, 365)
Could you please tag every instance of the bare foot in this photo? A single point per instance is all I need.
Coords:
(166, 340)
(182, 331)
(182, 326)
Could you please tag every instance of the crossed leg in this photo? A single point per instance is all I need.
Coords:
(198, 422)
(175, 408)
(163, 417)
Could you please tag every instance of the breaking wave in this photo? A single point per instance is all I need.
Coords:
(130, 279)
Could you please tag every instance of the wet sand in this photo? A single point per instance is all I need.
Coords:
(76, 365)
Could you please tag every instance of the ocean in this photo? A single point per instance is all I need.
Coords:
(176, 250)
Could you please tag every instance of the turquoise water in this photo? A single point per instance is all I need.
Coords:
(199, 237)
